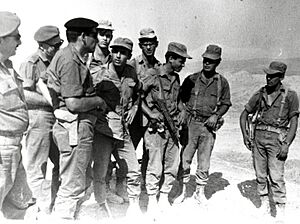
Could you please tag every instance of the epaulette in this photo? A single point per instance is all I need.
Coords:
(33, 58)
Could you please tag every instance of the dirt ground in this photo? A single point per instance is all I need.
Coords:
(231, 189)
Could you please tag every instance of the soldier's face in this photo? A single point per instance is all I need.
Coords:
(273, 79)
(9, 44)
(148, 47)
(119, 56)
(104, 38)
(210, 65)
(177, 64)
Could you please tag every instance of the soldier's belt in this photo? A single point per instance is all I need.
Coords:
(269, 128)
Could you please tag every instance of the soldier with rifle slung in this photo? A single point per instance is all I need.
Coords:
(166, 113)
(274, 131)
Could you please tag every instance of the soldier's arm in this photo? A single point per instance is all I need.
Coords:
(31, 95)
(84, 104)
(246, 137)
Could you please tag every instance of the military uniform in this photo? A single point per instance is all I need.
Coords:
(268, 142)
(161, 148)
(141, 64)
(112, 130)
(39, 142)
(73, 132)
(14, 190)
(200, 106)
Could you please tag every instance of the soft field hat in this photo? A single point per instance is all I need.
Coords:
(9, 22)
(178, 49)
(48, 34)
(122, 42)
(147, 33)
(275, 67)
(105, 25)
(212, 52)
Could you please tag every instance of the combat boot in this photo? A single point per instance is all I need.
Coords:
(280, 212)
(182, 196)
(121, 188)
(199, 195)
(265, 205)
(104, 211)
(133, 209)
(112, 197)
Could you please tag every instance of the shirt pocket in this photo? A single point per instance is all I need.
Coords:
(10, 98)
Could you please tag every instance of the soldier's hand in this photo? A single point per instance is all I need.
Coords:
(282, 154)
(212, 121)
(131, 114)
(156, 116)
(182, 117)
(248, 143)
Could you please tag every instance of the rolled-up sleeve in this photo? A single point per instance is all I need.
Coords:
(71, 83)
(252, 104)
(293, 104)
(225, 96)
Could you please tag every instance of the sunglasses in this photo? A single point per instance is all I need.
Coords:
(209, 61)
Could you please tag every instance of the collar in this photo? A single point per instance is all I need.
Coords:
(76, 53)
(42, 56)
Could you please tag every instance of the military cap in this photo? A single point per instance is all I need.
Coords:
(212, 52)
(147, 33)
(9, 22)
(178, 49)
(48, 34)
(81, 25)
(122, 42)
(105, 25)
(275, 67)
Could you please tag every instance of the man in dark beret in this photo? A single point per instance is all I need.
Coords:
(75, 104)
(39, 142)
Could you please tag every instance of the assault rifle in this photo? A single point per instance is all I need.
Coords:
(168, 120)
(164, 110)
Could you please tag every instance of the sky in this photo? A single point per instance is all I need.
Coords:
(243, 28)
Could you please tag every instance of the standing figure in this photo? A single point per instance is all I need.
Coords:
(148, 43)
(273, 125)
(14, 190)
(118, 84)
(206, 95)
(166, 113)
(75, 104)
(39, 142)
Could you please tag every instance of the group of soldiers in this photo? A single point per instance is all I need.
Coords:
(89, 102)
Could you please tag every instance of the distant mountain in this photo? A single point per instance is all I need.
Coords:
(253, 66)
(245, 77)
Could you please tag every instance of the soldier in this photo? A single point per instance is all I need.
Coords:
(166, 113)
(276, 110)
(39, 142)
(206, 95)
(75, 104)
(102, 56)
(14, 190)
(148, 43)
(112, 128)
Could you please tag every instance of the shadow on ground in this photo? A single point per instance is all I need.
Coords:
(215, 183)
(248, 190)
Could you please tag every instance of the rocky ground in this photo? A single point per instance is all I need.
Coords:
(231, 190)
